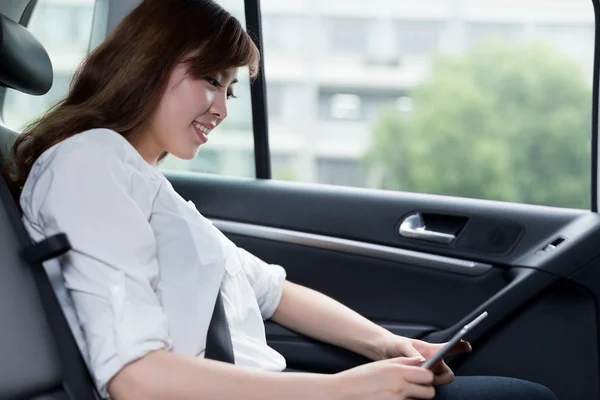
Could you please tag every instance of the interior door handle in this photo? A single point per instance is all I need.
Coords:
(414, 227)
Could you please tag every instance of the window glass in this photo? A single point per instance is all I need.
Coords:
(339, 171)
(481, 99)
(416, 37)
(478, 32)
(347, 34)
(284, 33)
(64, 28)
(286, 101)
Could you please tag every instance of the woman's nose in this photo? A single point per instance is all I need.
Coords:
(219, 106)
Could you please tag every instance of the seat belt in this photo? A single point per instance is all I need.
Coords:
(218, 337)
(77, 380)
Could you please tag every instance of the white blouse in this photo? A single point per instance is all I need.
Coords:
(146, 266)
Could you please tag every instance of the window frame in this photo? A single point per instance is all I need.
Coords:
(258, 94)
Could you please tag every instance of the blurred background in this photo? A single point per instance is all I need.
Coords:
(485, 99)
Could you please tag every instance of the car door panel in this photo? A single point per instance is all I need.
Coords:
(551, 340)
(373, 216)
(346, 243)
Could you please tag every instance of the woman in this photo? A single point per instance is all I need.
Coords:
(146, 268)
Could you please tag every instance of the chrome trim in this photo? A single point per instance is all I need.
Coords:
(413, 258)
(414, 227)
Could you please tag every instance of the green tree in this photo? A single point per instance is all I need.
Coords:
(499, 122)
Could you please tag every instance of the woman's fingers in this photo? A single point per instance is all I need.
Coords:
(419, 376)
(420, 392)
(461, 347)
(444, 378)
(410, 361)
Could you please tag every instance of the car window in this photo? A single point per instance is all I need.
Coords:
(64, 28)
(480, 99)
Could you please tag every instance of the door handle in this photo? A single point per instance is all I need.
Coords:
(414, 227)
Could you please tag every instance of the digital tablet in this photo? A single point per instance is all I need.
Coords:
(453, 342)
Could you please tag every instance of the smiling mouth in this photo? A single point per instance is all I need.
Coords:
(202, 131)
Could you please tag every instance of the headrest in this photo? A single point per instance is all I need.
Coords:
(25, 65)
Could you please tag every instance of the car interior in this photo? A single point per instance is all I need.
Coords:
(419, 265)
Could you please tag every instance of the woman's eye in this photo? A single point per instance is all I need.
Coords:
(213, 82)
(231, 96)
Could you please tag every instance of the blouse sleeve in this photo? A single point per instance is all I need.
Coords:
(89, 193)
(266, 279)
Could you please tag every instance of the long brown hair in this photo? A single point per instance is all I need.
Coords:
(119, 85)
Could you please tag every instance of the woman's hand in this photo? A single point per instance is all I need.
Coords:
(392, 346)
(397, 378)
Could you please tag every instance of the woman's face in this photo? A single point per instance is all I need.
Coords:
(187, 113)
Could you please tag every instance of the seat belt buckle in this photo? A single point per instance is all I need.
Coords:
(49, 248)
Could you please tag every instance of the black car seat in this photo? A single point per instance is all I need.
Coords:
(39, 357)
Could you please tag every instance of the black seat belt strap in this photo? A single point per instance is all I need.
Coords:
(218, 337)
(75, 369)
(47, 249)
(77, 381)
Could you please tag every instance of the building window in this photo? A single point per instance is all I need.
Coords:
(287, 101)
(418, 38)
(360, 105)
(344, 106)
(285, 33)
(478, 32)
(348, 35)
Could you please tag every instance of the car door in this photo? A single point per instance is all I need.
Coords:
(420, 162)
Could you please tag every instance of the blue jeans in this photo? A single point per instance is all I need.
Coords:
(493, 388)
